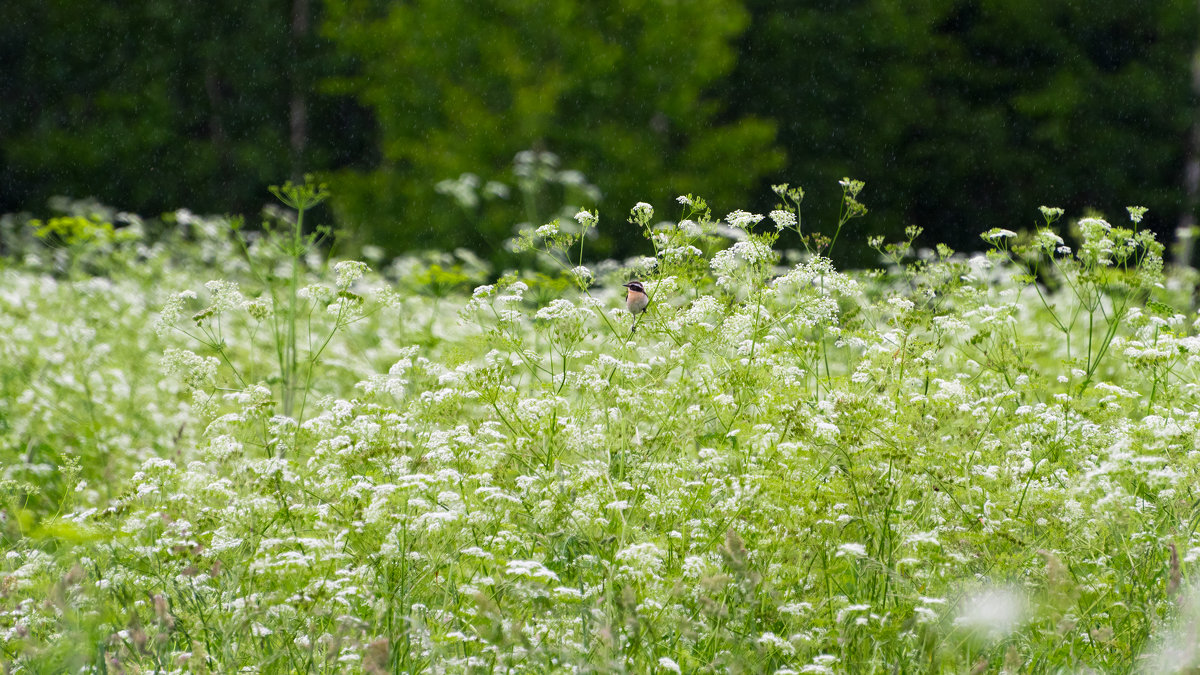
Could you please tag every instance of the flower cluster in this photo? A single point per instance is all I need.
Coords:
(801, 468)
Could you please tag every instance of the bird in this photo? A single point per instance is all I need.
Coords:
(637, 299)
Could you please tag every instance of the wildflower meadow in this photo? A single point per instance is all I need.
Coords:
(235, 449)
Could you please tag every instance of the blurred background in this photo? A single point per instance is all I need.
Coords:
(445, 123)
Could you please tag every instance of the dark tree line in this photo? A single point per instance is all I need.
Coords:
(961, 115)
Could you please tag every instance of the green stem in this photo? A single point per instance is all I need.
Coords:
(291, 357)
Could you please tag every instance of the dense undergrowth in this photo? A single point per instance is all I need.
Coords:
(222, 452)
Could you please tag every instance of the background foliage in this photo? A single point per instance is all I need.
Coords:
(958, 114)
(618, 93)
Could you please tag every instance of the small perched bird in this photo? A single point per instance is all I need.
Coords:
(637, 299)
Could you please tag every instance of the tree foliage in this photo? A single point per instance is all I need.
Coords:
(962, 115)
(158, 105)
(155, 103)
(618, 89)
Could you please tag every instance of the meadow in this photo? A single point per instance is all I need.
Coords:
(226, 449)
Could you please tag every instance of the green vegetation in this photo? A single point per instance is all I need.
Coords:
(223, 452)
(618, 93)
(961, 113)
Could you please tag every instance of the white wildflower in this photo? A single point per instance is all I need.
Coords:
(583, 275)
(743, 220)
(853, 550)
(586, 218)
(225, 295)
(690, 228)
(783, 219)
(172, 311)
(999, 233)
(669, 665)
(348, 272)
(991, 614)
(531, 569)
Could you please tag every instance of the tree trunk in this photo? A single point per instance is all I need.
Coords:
(298, 106)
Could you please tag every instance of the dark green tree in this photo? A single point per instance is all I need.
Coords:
(619, 90)
(963, 115)
(155, 105)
